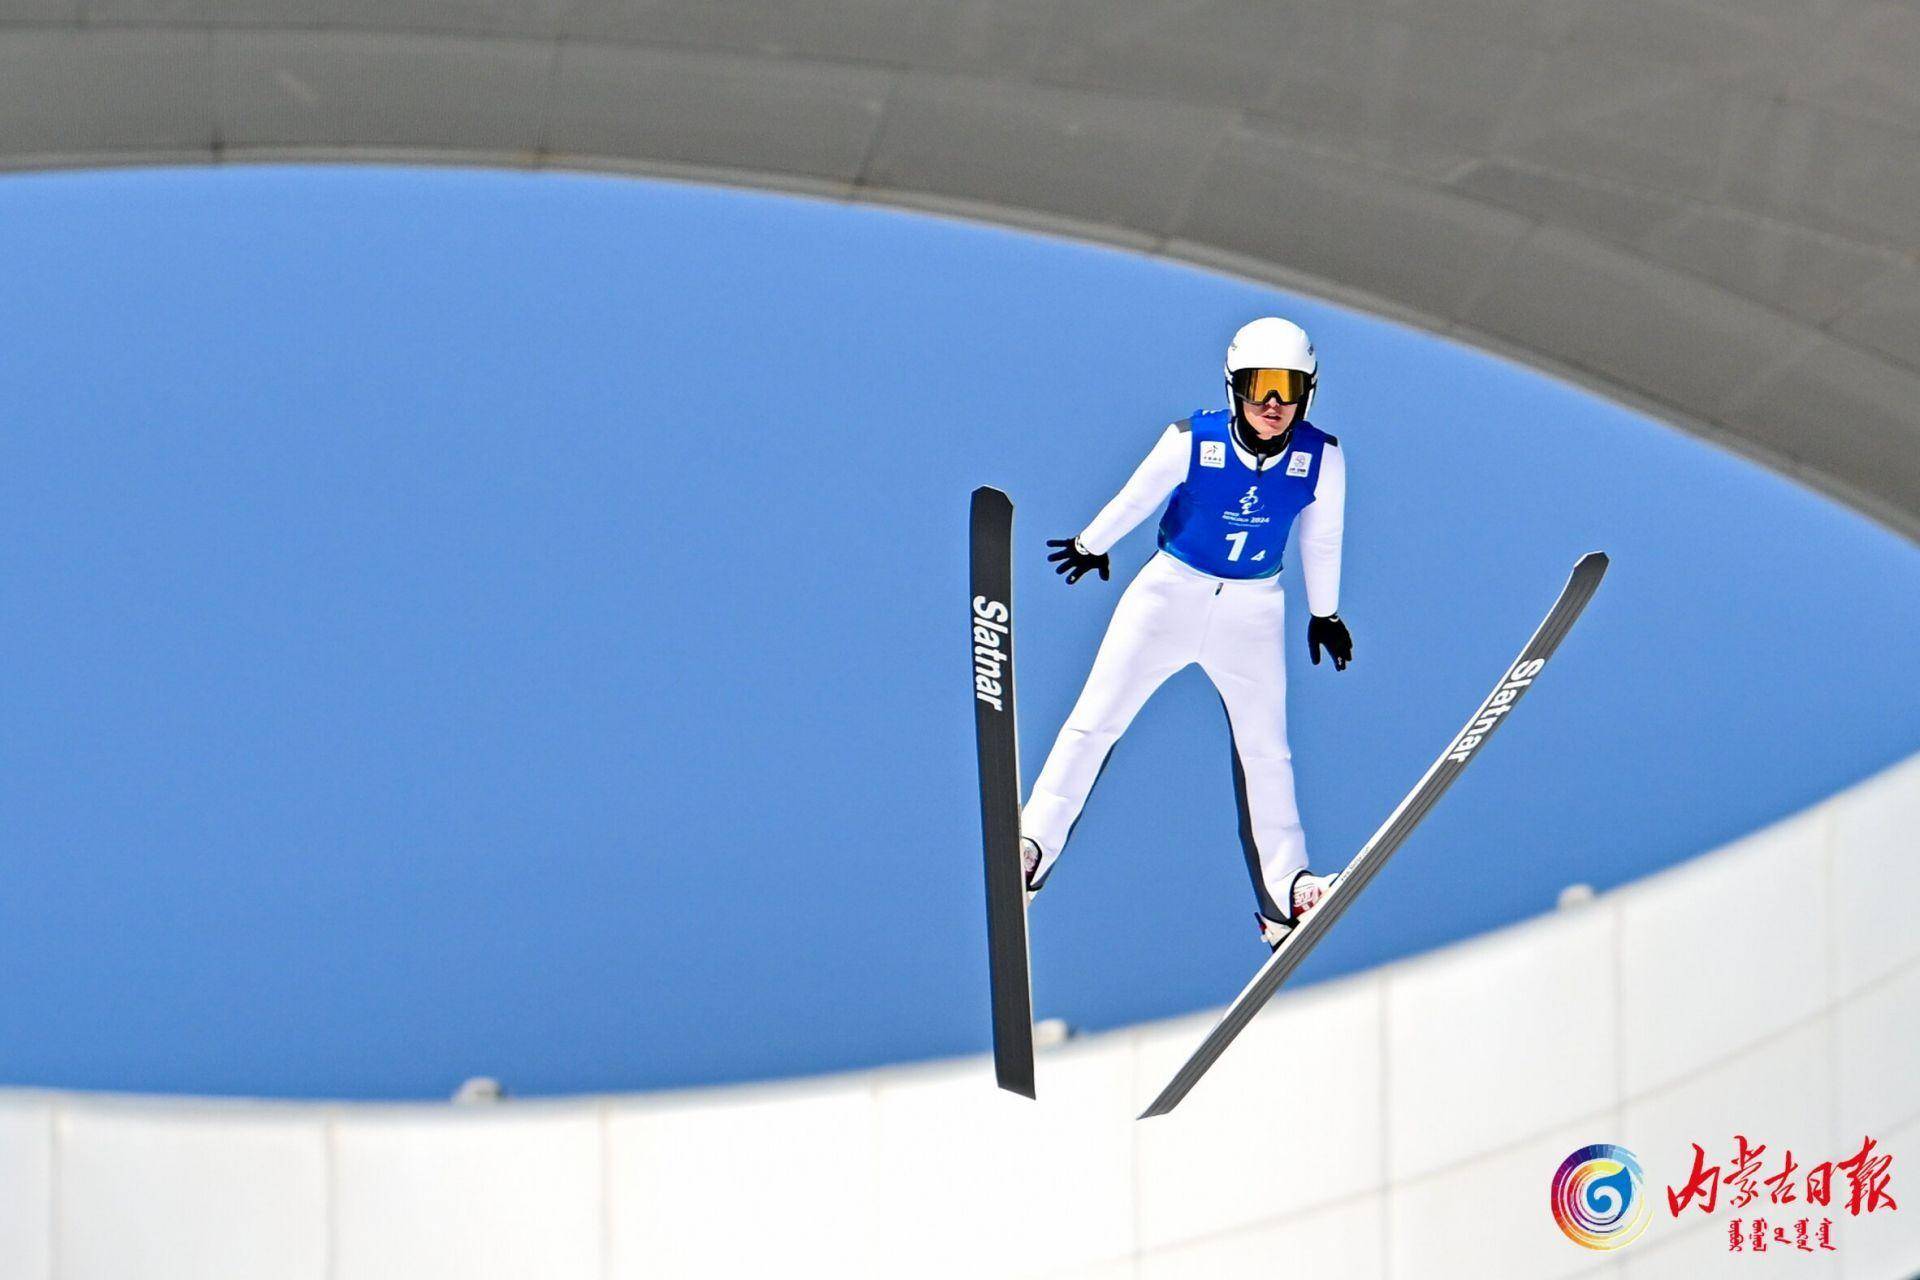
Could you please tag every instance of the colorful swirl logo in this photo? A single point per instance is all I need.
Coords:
(1599, 1197)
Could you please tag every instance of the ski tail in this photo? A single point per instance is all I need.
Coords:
(997, 738)
(1466, 744)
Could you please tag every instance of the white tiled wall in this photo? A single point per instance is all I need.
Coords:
(1721, 950)
(1701, 1253)
(795, 1164)
(1342, 1239)
(506, 1193)
(1493, 1041)
(176, 1189)
(1489, 1216)
(1877, 1056)
(974, 1182)
(1288, 1120)
(1779, 1092)
(1882, 1245)
(26, 1179)
(1400, 1124)
(1876, 872)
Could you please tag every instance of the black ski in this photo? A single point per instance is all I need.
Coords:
(999, 745)
(1367, 863)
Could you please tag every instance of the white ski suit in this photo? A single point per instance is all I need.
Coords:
(1173, 614)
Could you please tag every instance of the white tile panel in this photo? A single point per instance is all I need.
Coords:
(1702, 1252)
(1883, 1245)
(977, 1182)
(930, 1171)
(215, 1191)
(1876, 871)
(1878, 1056)
(1116, 1269)
(1500, 1038)
(1723, 951)
(765, 1181)
(1777, 1094)
(511, 1192)
(26, 1186)
(1489, 1217)
(1341, 1241)
(1289, 1118)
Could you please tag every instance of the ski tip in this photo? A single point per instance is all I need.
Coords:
(1592, 567)
(987, 493)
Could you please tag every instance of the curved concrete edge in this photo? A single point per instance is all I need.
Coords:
(1401, 1122)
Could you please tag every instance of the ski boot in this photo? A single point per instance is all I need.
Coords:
(1309, 890)
(1030, 870)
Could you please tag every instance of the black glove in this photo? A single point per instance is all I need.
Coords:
(1073, 561)
(1332, 633)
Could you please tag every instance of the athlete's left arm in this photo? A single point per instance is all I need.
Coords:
(1322, 525)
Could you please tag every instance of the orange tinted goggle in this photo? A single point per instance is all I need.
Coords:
(1291, 385)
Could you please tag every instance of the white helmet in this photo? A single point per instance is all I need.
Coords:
(1273, 343)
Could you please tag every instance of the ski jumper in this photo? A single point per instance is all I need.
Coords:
(1210, 595)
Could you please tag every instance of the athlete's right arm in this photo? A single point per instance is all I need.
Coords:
(1153, 482)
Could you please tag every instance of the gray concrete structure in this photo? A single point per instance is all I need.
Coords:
(1708, 209)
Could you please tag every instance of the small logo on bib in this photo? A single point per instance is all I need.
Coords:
(1298, 464)
(1213, 453)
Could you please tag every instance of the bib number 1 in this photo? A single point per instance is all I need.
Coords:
(1239, 541)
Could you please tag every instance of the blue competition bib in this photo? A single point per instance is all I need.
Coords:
(1229, 520)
